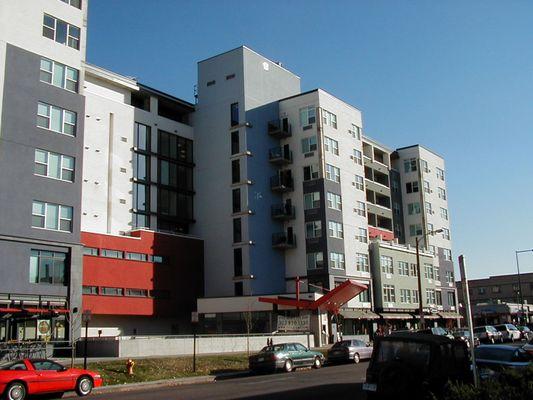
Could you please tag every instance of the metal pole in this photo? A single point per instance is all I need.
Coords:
(468, 310)
(194, 349)
(85, 347)
(420, 306)
(521, 297)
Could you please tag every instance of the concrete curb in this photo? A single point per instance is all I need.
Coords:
(163, 382)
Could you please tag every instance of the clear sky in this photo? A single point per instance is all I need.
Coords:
(455, 76)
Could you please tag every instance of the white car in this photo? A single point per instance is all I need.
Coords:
(509, 332)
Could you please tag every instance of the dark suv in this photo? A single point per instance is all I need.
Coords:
(415, 365)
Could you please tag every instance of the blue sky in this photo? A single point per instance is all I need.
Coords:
(455, 76)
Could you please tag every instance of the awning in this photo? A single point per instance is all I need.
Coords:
(395, 315)
(34, 310)
(359, 314)
(428, 316)
(450, 315)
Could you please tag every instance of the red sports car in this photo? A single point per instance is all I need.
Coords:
(28, 377)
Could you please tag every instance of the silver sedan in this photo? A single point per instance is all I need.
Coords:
(349, 350)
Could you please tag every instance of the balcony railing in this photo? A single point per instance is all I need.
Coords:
(283, 240)
(281, 183)
(279, 128)
(280, 155)
(283, 211)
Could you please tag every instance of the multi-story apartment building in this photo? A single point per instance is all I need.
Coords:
(42, 49)
(499, 288)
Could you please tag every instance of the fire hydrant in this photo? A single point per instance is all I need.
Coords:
(129, 366)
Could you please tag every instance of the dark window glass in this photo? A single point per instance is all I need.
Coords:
(235, 142)
(111, 253)
(48, 267)
(112, 291)
(140, 166)
(141, 138)
(90, 290)
(235, 114)
(236, 200)
(141, 221)
(237, 234)
(140, 197)
(237, 262)
(46, 365)
(90, 251)
(239, 291)
(235, 171)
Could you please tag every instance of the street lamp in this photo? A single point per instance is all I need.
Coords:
(420, 306)
(520, 281)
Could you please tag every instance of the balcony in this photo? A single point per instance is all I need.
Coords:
(283, 240)
(283, 212)
(280, 155)
(279, 128)
(281, 183)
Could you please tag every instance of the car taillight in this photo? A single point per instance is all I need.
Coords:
(273, 357)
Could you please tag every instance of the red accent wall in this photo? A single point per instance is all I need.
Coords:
(375, 232)
(181, 274)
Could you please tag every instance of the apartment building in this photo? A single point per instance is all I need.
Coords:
(499, 289)
(42, 49)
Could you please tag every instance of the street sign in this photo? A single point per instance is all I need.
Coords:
(86, 316)
(194, 317)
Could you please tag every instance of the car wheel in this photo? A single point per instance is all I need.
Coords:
(15, 391)
(289, 366)
(317, 363)
(356, 358)
(84, 386)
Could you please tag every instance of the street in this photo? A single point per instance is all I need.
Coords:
(339, 382)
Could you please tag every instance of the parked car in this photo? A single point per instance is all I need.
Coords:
(464, 335)
(349, 350)
(509, 332)
(436, 330)
(286, 356)
(492, 359)
(525, 332)
(488, 334)
(528, 347)
(22, 378)
(412, 365)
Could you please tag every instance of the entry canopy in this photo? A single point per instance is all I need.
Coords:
(331, 301)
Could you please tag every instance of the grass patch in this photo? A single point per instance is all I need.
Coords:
(153, 369)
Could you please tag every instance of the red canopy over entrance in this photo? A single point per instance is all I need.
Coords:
(331, 301)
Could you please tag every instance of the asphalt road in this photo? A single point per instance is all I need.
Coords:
(335, 382)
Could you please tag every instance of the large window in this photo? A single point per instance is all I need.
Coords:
(333, 173)
(235, 171)
(237, 230)
(141, 166)
(362, 262)
(329, 119)
(74, 3)
(440, 174)
(362, 235)
(175, 175)
(59, 75)
(441, 193)
(415, 229)
(315, 260)
(336, 260)
(307, 115)
(174, 204)
(403, 268)
(235, 145)
(413, 208)
(389, 294)
(411, 187)
(141, 139)
(313, 229)
(53, 165)
(334, 201)
(310, 172)
(141, 197)
(309, 144)
(236, 200)
(234, 113)
(237, 262)
(444, 213)
(359, 182)
(56, 119)
(311, 200)
(48, 267)
(360, 208)
(429, 271)
(175, 147)
(51, 216)
(405, 296)
(386, 265)
(410, 165)
(331, 145)
(355, 131)
(335, 230)
(447, 254)
(451, 299)
(61, 31)
(427, 187)
(446, 233)
(430, 296)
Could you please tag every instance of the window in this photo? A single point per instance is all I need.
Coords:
(90, 251)
(334, 201)
(238, 288)
(54, 165)
(436, 273)
(329, 119)
(311, 200)
(444, 213)
(111, 291)
(359, 182)
(61, 32)
(362, 235)
(413, 270)
(313, 229)
(315, 260)
(403, 268)
(355, 131)
(389, 294)
(336, 260)
(331, 146)
(410, 165)
(141, 137)
(141, 166)
(451, 299)
(235, 171)
(136, 257)
(414, 293)
(111, 253)
(396, 208)
(413, 208)
(405, 296)
(309, 144)
(429, 208)
(430, 296)
(449, 276)
(237, 262)
(357, 157)
(425, 166)
(395, 185)
(48, 267)
(431, 248)
(415, 230)
(59, 75)
(335, 230)
(481, 290)
(140, 220)
(495, 289)
(46, 365)
(430, 227)
(361, 260)
(230, 76)
(74, 3)
(235, 149)
(364, 297)
(426, 187)
(137, 292)
(386, 265)
(237, 233)
(236, 197)
(307, 115)
(447, 254)
(333, 173)
(56, 119)
(141, 197)
(428, 271)
(411, 187)
(175, 147)
(157, 259)
(440, 174)
(89, 290)
(442, 193)
(310, 172)
(51, 216)
(360, 208)
(211, 83)
(446, 233)
(234, 112)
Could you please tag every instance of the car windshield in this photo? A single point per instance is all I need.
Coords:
(491, 329)
(511, 327)
(342, 343)
(275, 348)
(462, 333)
(14, 366)
(416, 354)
